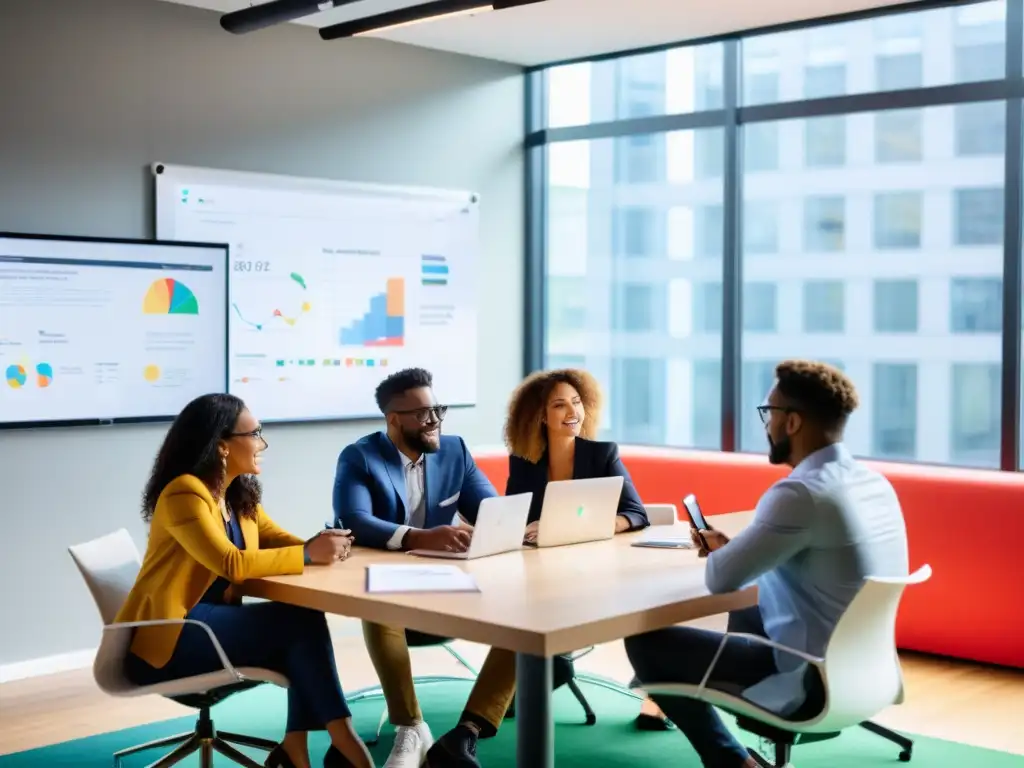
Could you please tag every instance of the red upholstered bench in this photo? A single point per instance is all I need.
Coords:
(969, 609)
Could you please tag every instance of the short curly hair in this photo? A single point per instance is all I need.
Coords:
(400, 382)
(821, 390)
(525, 435)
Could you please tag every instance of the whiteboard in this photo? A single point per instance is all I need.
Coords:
(97, 331)
(334, 285)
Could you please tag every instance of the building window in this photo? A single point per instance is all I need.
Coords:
(825, 142)
(634, 232)
(895, 306)
(639, 162)
(761, 147)
(978, 216)
(709, 153)
(976, 414)
(761, 226)
(975, 63)
(757, 379)
(761, 88)
(636, 308)
(980, 128)
(822, 81)
(894, 424)
(566, 303)
(706, 408)
(824, 223)
(759, 307)
(897, 220)
(898, 136)
(707, 307)
(976, 305)
(824, 307)
(708, 232)
(897, 72)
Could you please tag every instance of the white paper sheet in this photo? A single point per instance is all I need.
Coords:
(419, 578)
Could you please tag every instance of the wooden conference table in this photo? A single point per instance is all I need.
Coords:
(536, 602)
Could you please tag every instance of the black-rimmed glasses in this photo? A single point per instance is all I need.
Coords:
(257, 433)
(765, 411)
(425, 415)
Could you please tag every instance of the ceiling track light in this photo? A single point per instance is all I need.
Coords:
(404, 17)
(273, 13)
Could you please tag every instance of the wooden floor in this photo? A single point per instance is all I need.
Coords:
(961, 702)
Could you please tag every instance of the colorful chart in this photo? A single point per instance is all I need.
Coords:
(16, 376)
(151, 373)
(288, 319)
(44, 374)
(167, 296)
(384, 324)
(433, 269)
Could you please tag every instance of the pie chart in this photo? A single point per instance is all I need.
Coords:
(167, 296)
(16, 376)
(44, 374)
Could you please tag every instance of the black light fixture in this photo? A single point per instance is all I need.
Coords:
(404, 17)
(275, 12)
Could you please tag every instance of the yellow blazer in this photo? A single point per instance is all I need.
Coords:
(188, 549)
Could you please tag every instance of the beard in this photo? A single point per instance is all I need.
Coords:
(779, 452)
(417, 442)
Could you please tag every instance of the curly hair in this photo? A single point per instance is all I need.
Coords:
(525, 434)
(400, 382)
(191, 447)
(823, 391)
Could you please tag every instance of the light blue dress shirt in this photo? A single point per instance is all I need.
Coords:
(816, 535)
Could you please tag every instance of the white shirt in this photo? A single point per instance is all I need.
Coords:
(815, 536)
(415, 497)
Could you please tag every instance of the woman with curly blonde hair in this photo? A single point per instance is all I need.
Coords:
(550, 429)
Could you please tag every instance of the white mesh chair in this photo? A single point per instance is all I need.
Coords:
(860, 673)
(109, 566)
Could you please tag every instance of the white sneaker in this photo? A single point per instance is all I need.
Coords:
(411, 745)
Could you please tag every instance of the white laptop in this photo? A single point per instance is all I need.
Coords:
(577, 511)
(500, 523)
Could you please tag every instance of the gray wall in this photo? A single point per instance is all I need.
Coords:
(91, 92)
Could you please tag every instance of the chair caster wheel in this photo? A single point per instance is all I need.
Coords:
(591, 719)
(905, 756)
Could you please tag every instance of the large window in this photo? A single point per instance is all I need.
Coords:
(826, 214)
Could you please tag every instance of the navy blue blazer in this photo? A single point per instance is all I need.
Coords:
(369, 488)
(592, 458)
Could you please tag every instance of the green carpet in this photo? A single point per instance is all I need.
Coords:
(611, 743)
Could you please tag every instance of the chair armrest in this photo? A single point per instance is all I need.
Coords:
(757, 639)
(225, 662)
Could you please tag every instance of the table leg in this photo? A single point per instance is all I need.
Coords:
(535, 727)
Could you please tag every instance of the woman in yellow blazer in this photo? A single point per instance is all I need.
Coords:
(208, 531)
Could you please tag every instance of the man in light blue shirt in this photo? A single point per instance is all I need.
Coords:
(816, 535)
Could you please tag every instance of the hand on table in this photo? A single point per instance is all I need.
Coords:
(443, 538)
(530, 536)
(328, 546)
(621, 523)
(711, 538)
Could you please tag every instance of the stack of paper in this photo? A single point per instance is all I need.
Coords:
(419, 578)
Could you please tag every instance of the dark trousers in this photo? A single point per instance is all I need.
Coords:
(683, 655)
(283, 638)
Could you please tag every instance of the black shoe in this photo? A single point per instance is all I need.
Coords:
(334, 759)
(645, 722)
(456, 749)
(278, 758)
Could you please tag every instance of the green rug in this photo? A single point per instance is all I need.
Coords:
(611, 743)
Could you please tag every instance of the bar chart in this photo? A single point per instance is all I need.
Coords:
(384, 324)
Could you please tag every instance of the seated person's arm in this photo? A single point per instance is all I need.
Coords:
(630, 506)
(781, 528)
(475, 488)
(353, 504)
(273, 536)
(189, 521)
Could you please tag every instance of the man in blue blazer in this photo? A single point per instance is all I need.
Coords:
(412, 488)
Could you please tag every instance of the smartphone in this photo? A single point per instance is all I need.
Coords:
(696, 516)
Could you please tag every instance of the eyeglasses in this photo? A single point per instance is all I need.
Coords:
(426, 415)
(257, 433)
(765, 411)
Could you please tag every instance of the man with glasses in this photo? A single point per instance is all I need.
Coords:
(816, 535)
(414, 488)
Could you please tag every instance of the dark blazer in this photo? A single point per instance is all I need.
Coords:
(369, 488)
(592, 458)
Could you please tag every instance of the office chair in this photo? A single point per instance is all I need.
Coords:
(860, 672)
(109, 566)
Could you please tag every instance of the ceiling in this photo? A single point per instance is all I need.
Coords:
(556, 30)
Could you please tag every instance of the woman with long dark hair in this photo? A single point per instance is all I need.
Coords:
(208, 531)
